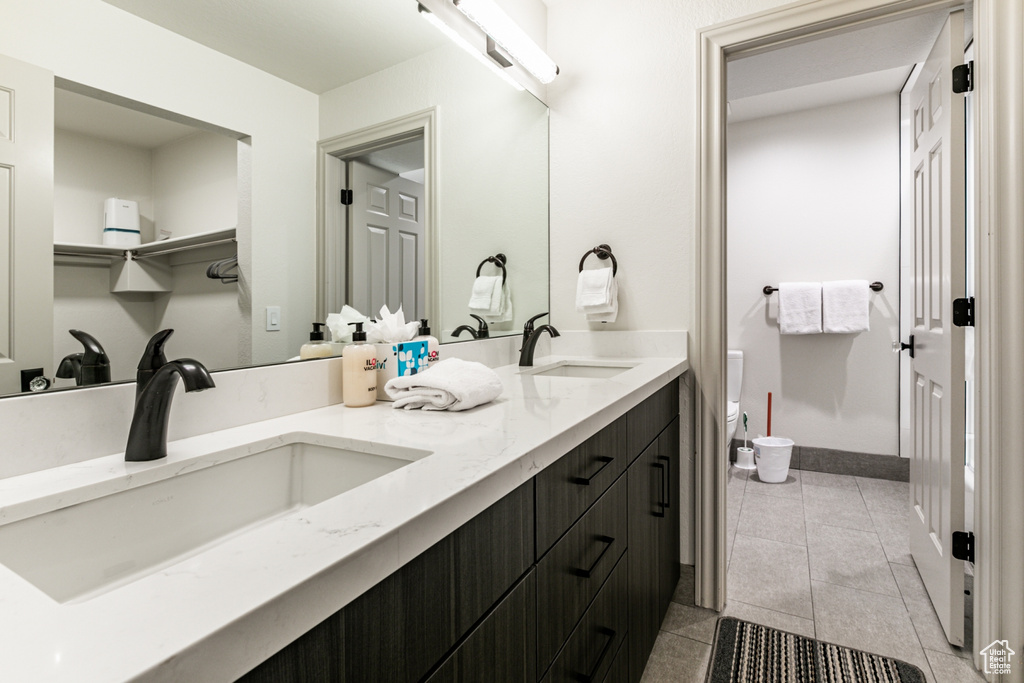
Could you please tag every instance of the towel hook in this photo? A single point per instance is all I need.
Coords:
(499, 260)
(603, 252)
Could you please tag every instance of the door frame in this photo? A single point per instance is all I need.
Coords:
(332, 251)
(999, 217)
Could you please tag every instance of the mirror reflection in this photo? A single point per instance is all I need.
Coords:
(227, 240)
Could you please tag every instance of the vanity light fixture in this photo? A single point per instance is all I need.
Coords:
(465, 45)
(507, 33)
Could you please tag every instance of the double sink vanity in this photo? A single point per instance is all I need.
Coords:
(533, 538)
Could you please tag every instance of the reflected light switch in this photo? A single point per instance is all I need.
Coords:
(273, 318)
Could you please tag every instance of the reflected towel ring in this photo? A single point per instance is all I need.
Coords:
(499, 260)
(603, 252)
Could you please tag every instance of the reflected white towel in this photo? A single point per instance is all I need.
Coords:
(845, 306)
(799, 307)
(451, 384)
(486, 295)
(503, 313)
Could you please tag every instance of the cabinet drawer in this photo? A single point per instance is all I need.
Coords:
(573, 571)
(567, 488)
(588, 654)
(618, 672)
(647, 420)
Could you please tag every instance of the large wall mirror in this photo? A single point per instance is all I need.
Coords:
(240, 179)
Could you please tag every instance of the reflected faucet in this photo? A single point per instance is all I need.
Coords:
(530, 337)
(482, 332)
(147, 438)
(89, 367)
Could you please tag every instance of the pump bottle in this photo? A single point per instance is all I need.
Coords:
(317, 347)
(433, 347)
(359, 371)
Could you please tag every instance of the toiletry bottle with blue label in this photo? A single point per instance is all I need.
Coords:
(433, 347)
(359, 371)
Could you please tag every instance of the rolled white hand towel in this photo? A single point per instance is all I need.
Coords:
(799, 307)
(452, 384)
(845, 306)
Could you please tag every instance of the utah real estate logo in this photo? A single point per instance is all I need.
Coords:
(997, 657)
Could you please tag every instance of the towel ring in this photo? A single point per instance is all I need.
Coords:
(499, 260)
(603, 252)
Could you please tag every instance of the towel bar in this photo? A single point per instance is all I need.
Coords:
(603, 252)
(499, 260)
(768, 289)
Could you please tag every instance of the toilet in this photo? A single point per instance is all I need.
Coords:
(734, 380)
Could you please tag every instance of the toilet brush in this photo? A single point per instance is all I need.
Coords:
(745, 455)
(744, 429)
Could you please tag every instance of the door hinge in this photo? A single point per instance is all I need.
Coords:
(963, 77)
(963, 545)
(963, 312)
(346, 197)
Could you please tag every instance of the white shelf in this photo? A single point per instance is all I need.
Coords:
(182, 243)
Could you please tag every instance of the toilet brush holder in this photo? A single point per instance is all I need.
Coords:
(745, 458)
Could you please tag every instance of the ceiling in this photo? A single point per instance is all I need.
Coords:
(318, 45)
(837, 68)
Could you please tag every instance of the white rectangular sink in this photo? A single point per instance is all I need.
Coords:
(84, 550)
(584, 369)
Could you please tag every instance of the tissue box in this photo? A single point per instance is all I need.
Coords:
(398, 359)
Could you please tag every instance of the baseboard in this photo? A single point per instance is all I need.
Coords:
(834, 461)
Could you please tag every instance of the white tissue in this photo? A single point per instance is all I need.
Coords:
(338, 323)
(391, 327)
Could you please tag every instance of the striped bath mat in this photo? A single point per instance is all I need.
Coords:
(750, 653)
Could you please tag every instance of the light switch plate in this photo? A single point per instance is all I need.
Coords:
(273, 318)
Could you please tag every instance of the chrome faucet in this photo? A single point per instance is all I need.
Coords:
(147, 438)
(482, 331)
(530, 337)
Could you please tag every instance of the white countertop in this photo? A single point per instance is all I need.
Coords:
(217, 614)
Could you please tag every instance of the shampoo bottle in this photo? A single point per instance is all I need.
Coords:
(433, 347)
(317, 347)
(359, 371)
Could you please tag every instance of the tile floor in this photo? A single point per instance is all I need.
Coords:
(823, 555)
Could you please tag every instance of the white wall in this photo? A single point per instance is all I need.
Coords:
(98, 45)
(493, 171)
(195, 184)
(814, 196)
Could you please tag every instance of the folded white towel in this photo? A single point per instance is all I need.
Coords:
(503, 312)
(486, 296)
(799, 307)
(594, 290)
(451, 384)
(845, 306)
(605, 314)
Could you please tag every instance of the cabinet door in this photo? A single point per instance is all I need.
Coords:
(667, 455)
(645, 486)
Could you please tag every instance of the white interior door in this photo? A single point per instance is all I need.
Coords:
(937, 401)
(26, 221)
(386, 254)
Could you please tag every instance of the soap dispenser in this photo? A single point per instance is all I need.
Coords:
(359, 371)
(316, 347)
(433, 348)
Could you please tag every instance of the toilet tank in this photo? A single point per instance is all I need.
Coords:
(734, 375)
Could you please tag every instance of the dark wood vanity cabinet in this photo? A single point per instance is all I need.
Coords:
(567, 578)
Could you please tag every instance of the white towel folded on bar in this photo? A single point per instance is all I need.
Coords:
(503, 312)
(597, 295)
(451, 384)
(845, 306)
(486, 296)
(799, 307)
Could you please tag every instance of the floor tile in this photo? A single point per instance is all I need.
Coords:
(770, 574)
(894, 533)
(849, 557)
(889, 497)
(947, 668)
(778, 519)
(835, 481)
(866, 621)
(695, 623)
(785, 489)
(836, 507)
(770, 618)
(922, 614)
(676, 659)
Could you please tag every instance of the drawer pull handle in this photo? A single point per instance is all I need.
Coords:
(660, 512)
(585, 481)
(605, 631)
(587, 573)
(668, 478)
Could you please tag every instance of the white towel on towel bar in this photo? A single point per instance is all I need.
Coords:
(799, 307)
(845, 306)
(485, 298)
(597, 295)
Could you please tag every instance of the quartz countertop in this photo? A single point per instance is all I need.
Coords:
(215, 615)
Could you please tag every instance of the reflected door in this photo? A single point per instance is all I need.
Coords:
(937, 401)
(26, 222)
(386, 242)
